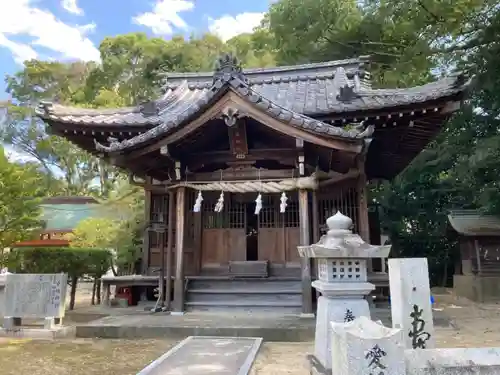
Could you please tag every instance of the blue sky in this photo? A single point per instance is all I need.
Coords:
(72, 29)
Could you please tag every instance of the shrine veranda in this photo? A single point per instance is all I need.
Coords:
(239, 167)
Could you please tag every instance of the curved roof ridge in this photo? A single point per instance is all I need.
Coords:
(447, 82)
(276, 69)
(167, 123)
(297, 119)
(49, 108)
(233, 79)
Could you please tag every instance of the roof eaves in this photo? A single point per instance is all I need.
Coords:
(231, 75)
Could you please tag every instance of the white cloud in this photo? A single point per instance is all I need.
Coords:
(21, 18)
(228, 26)
(165, 16)
(21, 52)
(72, 7)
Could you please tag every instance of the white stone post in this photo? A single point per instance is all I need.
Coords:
(364, 347)
(411, 307)
(342, 280)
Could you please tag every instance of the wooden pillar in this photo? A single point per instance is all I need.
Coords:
(179, 251)
(198, 233)
(305, 262)
(170, 242)
(363, 221)
(315, 234)
(315, 218)
(145, 240)
(478, 257)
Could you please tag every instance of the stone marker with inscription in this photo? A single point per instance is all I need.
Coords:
(342, 280)
(411, 308)
(364, 347)
(38, 296)
(200, 355)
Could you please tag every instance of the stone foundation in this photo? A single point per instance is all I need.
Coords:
(477, 288)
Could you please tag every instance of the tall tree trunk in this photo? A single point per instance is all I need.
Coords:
(98, 291)
(74, 282)
(94, 285)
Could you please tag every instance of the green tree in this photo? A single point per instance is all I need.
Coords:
(60, 82)
(20, 193)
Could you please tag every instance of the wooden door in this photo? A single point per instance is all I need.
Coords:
(223, 234)
(279, 232)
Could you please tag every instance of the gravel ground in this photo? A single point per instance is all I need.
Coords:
(473, 325)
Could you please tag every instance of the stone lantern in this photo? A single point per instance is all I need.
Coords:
(342, 279)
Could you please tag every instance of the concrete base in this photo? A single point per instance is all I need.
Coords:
(477, 288)
(456, 361)
(39, 333)
(116, 323)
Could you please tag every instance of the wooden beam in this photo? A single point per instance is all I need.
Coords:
(145, 241)
(407, 111)
(179, 251)
(244, 174)
(287, 156)
(339, 178)
(305, 263)
(170, 242)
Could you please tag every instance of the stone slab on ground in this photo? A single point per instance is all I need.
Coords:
(198, 355)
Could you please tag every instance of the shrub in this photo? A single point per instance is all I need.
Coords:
(75, 262)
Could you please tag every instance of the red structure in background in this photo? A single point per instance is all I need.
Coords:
(58, 226)
(43, 243)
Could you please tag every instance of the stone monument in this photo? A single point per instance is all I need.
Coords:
(3, 281)
(34, 296)
(342, 280)
(365, 347)
(411, 307)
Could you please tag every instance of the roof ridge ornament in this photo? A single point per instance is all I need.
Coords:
(227, 67)
(346, 93)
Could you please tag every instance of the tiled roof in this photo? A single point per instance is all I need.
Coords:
(290, 94)
(67, 216)
(473, 223)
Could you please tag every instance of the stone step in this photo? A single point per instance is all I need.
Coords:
(290, 307)
(273, 294)
(245, 291)
(246, 284)
(244, 298)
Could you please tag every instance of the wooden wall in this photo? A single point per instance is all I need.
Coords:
(213, 239)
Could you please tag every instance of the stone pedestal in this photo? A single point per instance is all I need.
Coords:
(335, 306)
(411, 307)
(364, 347)
(342, 280)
